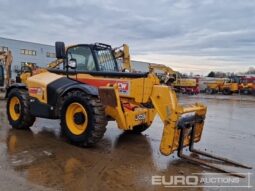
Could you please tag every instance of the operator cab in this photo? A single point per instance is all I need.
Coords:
(91, 57)
(95, 59)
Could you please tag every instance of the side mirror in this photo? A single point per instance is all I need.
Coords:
(60, 50)
(72, 63)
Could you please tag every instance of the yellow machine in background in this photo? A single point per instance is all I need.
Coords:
(225, 86)
(229, 88)
(122, 53)
(174, 79)
(253, 88)
(91, 90)
(167, 77)
(246, 87)
(187, 85)
(214, 87)
(5, 69)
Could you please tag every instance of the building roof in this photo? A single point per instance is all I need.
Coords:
(26, 41)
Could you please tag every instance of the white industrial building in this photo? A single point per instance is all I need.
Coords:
(30, 52)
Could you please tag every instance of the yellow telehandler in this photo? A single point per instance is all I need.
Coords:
(91, 89)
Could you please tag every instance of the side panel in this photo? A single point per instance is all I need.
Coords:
(37, 85)
(45, 89)
(39, 109)
(138, 89)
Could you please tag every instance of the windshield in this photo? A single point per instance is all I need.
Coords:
(106, 62)
(83, 57)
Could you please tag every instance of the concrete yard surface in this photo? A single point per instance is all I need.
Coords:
(41, 159)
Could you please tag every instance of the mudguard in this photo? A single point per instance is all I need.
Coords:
(61, 86)
(15, 85)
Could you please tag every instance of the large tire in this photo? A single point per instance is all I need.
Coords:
(246, 91)
(18, 109)
(209, 91)
(227, 91)
(138, 129)
(83, 119)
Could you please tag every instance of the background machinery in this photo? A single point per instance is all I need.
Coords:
(5, 69)
(246, 84)
(175, 79)
(225, 86)
(187, 85)
(90, 90)
(233, 84)
(230, 86)
(167, 77)
(122, 53)
(253, 88)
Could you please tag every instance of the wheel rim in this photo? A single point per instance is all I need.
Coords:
(15, 108)
(76, 118)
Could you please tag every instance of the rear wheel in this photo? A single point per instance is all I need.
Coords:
(138, 129)
(246, 91)
(210, 91)
(83, 119)
(227, 91)
(18, 111)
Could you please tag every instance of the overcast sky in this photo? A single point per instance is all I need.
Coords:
(188, 35)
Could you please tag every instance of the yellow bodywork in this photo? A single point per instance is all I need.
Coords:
(182, 82)
(140, 91)
(246, 85)
(37, 85)
(232, 86)
(131, 102)
(165, 104)
(215, 85)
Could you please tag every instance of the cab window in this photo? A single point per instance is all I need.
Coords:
(106, 61)
(83, 57)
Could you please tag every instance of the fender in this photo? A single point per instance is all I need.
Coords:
(63, 85)
(15, 85)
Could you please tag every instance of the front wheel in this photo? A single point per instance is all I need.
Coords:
(83, 118)
(18, 110)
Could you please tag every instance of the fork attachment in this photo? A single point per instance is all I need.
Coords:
(183, 126)
(190, 122)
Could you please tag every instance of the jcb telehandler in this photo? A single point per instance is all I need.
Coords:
(91, 89)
